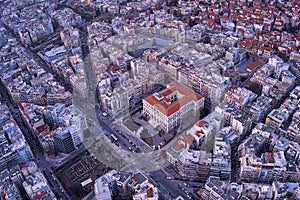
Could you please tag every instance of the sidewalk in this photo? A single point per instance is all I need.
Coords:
(144, 124)
(151, 127)
(53, 158)
(132, 136)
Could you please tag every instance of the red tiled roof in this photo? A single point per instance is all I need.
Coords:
(166, 92)
(135, 179)
(199, 133)
(3, 195)
(124, 71)
(187, 138)
(42, 128)
(233, 87)
(270, 158)
(254, 65)
(21, 106)
(176, 105)
(201, 123)
(166, 100)
(39, 196)
(183, 71)
(149, 192)
(46, 133)
(22, 165)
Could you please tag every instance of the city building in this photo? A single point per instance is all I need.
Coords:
(5, 115)
(293, 129)
(111, 184)
(147, 191)
(235, 55)
(241, 56)
(102, 190)
(204, 130)
(168, 107)
(221, 159)
(63, 141)
(214, 188)
(276, 118)
(136, 181)
(280, 190)
(194, 164)
(239, 97)
(35, 184)
(173, 153)
(208, 82)
(9, 190)
(14, 148)
(237, 119)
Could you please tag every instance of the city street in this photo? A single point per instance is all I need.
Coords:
(141, 159)
(160, 100)
(169, 188)
(41, 62)
(34, 144)
(55, 185)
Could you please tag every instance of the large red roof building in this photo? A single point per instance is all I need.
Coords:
(167, 107)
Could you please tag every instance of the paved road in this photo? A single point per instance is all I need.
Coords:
(169, 188)
(108, 129)
(34, 144)
(135, 161)
(140, 159)
(32, 141)
(126, 139)
(92, 113)
(55, 185)
(107, 126)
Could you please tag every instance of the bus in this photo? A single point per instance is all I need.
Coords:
(113, 138)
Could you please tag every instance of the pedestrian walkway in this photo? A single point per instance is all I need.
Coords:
(133, 137)
(146, 124)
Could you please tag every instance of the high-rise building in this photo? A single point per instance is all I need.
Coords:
(214, 188)
(238, 120)
(239, 97)
(204, 131)
(75, 134)
(15, 148)
(63, 141)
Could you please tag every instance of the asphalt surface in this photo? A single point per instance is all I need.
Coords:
(107, 125)
(169, 188)
(125, 139)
